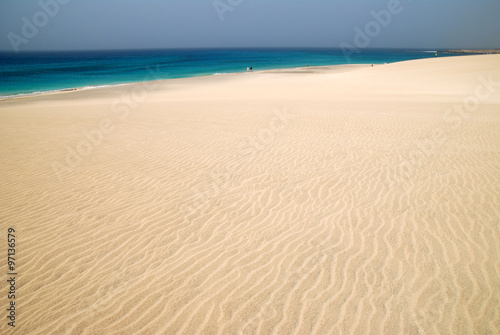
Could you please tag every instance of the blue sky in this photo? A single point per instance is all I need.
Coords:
(135, 24)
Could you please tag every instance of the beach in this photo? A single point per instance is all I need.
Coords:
(322, 200)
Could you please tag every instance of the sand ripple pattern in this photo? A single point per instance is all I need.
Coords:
(316, 232)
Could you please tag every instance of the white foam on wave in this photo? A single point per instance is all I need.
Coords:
(5, 97)
(62, 90)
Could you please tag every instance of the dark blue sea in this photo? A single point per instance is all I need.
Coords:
(28, 73)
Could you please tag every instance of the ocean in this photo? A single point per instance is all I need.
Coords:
(32, 73)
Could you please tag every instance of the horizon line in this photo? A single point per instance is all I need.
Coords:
(239, 48)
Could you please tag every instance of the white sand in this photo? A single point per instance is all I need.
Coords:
(340, 200)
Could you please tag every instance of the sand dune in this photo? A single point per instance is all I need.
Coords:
(338, 200)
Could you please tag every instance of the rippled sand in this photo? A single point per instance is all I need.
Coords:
(340, 200)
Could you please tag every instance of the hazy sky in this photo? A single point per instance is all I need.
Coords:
(131, 24)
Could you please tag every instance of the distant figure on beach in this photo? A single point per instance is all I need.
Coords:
(307, 65)
(372, 65)
(251, 69)
(248, 69)
(436, 54)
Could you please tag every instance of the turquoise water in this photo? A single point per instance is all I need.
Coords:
(27, 73)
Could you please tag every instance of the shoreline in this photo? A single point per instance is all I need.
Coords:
(310, 69)
(7, 96)
(63, 90)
